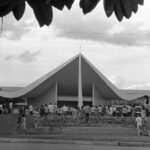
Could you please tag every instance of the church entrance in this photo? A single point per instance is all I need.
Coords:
(67, 103)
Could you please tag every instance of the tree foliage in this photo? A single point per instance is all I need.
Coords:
(44, 14)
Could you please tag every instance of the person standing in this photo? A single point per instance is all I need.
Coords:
(111, 111)
(42, 112)
(148, 125)
(138, 121)
(82, 115)
(75, 115)
(65, 111)
(1, 108)
(87, 112)
(55, 110)
(114, 110)
(145, 126)
(51, 110)
(31, 110)
(46, 111)
(18, 124)
(100, 110)
(10, 107)
(24, 124)
(96, 114)
(124, 111)
(129, 110)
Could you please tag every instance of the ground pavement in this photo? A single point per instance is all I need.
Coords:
(39, 146)
(110, 131)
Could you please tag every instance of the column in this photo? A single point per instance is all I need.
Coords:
(93, 94)
(56, 92)
(80, 99)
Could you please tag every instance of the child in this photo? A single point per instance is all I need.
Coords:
(23, 124)
(138, 121)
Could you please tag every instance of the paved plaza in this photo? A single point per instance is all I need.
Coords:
(37, 146)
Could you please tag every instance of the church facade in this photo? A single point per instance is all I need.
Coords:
(76, 82)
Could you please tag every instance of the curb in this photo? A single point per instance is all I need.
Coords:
(138, 144)
(57, 141)
(79, 142)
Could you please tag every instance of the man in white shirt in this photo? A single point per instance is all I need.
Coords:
(93, 110)
(111, 111)
(31, 109)
(65, 111)
(1, 108)
(138, 121)
(129, 110)
(10, 107)
(51, 110)
(99, 110)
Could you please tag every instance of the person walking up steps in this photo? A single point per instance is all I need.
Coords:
(24, 124)
(138, 121)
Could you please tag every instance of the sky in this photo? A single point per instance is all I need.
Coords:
(119, 50)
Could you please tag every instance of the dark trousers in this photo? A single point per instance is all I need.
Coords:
(86, 117)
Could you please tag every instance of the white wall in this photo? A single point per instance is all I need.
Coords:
(98, 99)
(47, 97)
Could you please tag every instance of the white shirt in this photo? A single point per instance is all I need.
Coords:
(64, 108)
(92, 109)
(138, 121)
(129, 109)
(114, 109)
(51, 108)
(124, 110)
(100, 109)
(30, 108)
(10, 105)
(111, 110)
(1, 106)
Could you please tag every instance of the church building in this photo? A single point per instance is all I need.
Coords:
(76, 83)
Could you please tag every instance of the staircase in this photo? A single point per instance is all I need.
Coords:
(93, 122)
(7, 124)
(105, 127)
(86, 131)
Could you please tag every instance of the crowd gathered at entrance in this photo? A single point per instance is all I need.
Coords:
(80, 115)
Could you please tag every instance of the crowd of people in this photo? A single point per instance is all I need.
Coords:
(48, 110)
(143, 125)
(52, 111)
(15, 109)
(142, 118)
(6, 108)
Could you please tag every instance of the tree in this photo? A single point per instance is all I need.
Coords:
(44, 14)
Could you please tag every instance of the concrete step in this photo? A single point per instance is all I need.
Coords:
(7, 123)
(69, 122)
(85, 131)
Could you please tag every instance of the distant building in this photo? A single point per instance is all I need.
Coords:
(76, 82)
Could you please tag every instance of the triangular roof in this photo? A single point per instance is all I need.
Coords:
(101, 82)
(114, 92)
(31, 88)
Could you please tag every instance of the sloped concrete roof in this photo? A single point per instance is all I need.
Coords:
(10, 89)
(35, 87)
(107, 88)
(115, 92)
